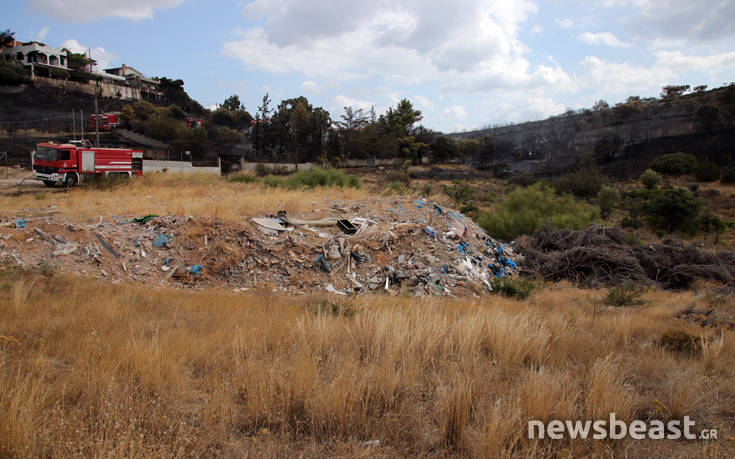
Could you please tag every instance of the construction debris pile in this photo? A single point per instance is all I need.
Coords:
(345, 248)
(599, 256)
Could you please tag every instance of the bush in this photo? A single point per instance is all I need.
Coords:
(527, 210)
(396, 187)
(624, 295)
(242, 178)
(707, 171)
(585, 182)
(12, 71)
(710, 223)
(728, 175)
(607, 199)
(675, 163)
(314, 178)
(670, 209)
(650, 179)
(461, 193)
(514, 287)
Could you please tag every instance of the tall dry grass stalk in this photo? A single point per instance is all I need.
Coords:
(93, 369)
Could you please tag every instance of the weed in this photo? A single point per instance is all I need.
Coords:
(242, 178)
(514, 287)
(625, 295)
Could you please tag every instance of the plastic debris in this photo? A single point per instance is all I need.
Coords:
(161, 241)
(330, 288)
(145, 219)
(322, 264)
(195, 269)
(21, 223)
(107, 246)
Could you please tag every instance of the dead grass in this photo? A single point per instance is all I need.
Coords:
(172, 194)
(93, 369)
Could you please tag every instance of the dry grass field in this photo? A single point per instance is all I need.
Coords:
(93, 368)
(201, 195)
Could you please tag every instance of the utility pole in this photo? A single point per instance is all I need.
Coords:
(73, 124)
(81, 122)
(96, 117)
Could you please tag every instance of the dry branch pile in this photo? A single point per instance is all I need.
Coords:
(600, 256)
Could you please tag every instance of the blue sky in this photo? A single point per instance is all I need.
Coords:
(464, 63)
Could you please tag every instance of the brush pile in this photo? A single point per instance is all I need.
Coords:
(605, 257)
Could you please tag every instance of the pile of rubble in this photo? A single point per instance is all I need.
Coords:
(347, 248)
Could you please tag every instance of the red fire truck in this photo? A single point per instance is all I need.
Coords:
(68, 164)
(108, 121)
(192, 123)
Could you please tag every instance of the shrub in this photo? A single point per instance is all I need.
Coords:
(242, 178)
(514, 287)
(650, 179)
(461, 193)
(607, 199)
(527, 210)
(728, 175)
(585, 182)
(670, 209)
(314, 178)
(675, 163)
(396, 187)
(12, 71)
(624, 295)
(333, 308)
(707, 171)
(710, 223)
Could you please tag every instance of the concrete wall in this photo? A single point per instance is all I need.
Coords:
(150, 165)
(108, 88)
(289, 167)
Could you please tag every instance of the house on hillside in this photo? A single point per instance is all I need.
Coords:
(150, 88)
(40, 57)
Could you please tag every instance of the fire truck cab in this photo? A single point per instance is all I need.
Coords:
(69, 164)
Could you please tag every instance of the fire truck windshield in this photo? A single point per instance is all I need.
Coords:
(47, 154)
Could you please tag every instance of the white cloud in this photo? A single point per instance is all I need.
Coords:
(91, 10)
(423, 103)
(103, 57)
(565, 23)
(623, 78)
(342, 101)
(455, 112)
(41, 35)
(309, 86)
(536, 30)
(602, 38)
(706, 20)
(402, 41)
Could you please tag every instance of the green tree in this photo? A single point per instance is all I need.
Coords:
(6, 37)
(673, 91)
(233, 103)
(673, 209)
(443, 148)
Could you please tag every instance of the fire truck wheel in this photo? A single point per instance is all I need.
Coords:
(70, 180)
(49, 182)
